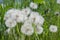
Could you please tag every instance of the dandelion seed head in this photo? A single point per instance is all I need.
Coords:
(33, 5)
(53, 28)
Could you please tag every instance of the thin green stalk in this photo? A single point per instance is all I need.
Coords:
(2, 37)
(22, 37)
(35, 32)
(18, 29)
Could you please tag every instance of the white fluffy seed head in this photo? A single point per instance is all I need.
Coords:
(57, 13)
(8, 14)
(39, 20)
(27, 29)
(12, 13)
(33, 16)
(33, 5)
(53, 28)
(16, 14)
(39, 29)
(34, 13)
(36, 18)
(10, 23)
(26, 11)
(58, 1)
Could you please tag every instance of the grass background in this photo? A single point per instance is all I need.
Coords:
(46, 9)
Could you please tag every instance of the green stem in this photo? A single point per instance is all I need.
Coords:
(29, 37)
(22, 37)
(2, 37)
(35, 32)
(18, 30)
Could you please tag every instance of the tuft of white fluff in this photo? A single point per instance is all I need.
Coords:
(33, 16)
(53, 28)
(39, 20)
(10, 23)
(27, 29)
(16, 15)
(57, 13)
(9, 13)
(36, 18)
(26, 11)
(39, 29)
(58, 1)
(33, 5)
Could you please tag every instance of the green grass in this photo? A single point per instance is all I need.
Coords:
(49, 17)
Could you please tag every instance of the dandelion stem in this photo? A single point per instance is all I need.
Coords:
(29, 37)
(22, 37)
(35, 31)
(18, 30)
(2, 37)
